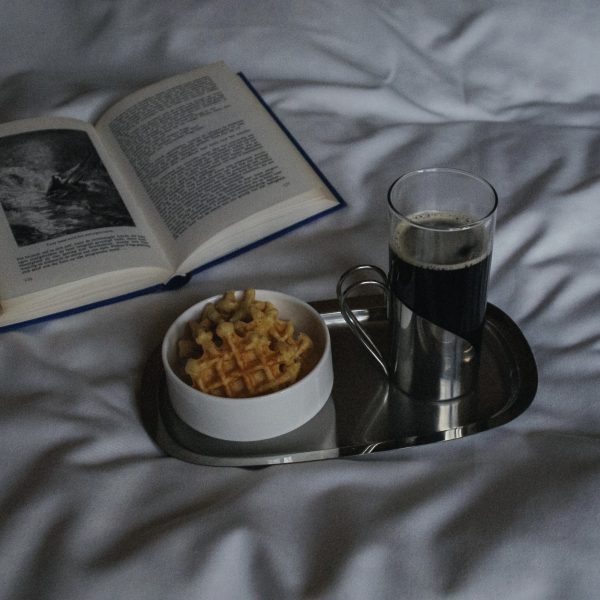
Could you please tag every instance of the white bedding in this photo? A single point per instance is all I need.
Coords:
(90, 508)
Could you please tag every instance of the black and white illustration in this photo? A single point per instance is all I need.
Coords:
(53, 183)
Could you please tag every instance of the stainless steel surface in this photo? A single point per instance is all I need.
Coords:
(364, 414)
(424, 360)
(429, 362)
(350, 282)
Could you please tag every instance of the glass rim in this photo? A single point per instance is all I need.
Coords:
(446, 170)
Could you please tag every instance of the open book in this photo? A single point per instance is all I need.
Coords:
(171, 179)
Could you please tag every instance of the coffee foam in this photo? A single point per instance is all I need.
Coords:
(419, 235)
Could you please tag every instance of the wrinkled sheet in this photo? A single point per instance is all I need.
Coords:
(89, 505)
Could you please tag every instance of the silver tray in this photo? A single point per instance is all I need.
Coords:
(364, 414)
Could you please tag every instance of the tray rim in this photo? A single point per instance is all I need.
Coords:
(366, 308)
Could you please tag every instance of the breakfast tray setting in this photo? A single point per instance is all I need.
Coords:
(364, 414)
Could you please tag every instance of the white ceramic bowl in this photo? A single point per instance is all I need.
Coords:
(260, 417)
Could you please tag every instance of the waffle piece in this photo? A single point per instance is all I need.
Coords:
(243, 349)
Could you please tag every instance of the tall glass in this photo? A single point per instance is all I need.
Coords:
(440, 246)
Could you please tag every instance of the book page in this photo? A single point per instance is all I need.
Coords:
(206, 154)
(63, 214)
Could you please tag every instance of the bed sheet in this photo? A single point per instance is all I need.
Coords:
(89, 505)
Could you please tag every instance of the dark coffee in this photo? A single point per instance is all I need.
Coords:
(442, 275)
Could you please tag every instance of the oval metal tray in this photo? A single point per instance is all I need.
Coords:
(364, 414)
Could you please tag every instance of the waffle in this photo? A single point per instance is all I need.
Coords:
(240, 348)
